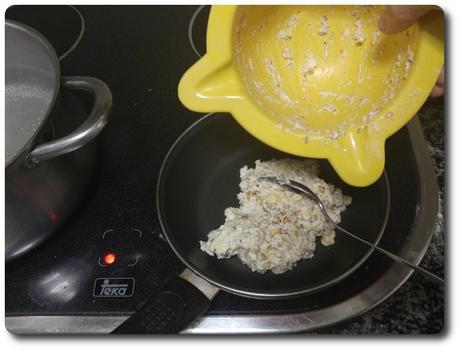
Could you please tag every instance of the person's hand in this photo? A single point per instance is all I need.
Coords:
(438, 89)
(397, 18)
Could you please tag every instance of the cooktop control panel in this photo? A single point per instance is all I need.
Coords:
(106, 270)
(120, 253)
(120, 248)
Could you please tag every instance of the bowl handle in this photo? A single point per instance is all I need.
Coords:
(207, 87)
(88, 130)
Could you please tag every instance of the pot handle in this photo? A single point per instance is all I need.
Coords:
(88, 130)
(180, 302)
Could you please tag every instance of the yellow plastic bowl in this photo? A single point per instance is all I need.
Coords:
(316, 81)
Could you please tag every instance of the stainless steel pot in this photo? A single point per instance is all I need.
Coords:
(45, 176)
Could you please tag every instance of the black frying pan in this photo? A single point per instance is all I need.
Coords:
(199, 179)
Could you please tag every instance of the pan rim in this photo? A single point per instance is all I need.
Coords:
(246, 293)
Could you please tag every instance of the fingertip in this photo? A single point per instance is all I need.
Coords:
(441, 77)
(388, 23)
(437, 91)
(396, 18)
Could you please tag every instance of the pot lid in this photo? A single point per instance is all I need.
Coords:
(31, 84)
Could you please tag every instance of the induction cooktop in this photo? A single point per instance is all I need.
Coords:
(106, 261)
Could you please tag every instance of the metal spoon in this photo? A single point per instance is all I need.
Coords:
(298, 187)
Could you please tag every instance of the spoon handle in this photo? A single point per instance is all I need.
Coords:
(428, 274)
(297, 186)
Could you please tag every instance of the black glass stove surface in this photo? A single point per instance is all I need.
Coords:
(62, 25)
(141, 53)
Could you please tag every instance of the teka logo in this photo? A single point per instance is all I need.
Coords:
(113, 287)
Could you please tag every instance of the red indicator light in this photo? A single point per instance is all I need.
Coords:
(109, 258)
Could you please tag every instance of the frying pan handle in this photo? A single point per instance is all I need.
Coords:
(90, 128)
(176, 306)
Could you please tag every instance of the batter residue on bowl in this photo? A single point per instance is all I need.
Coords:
(321, 72)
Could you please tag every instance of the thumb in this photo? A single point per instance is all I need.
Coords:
(397, 18)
